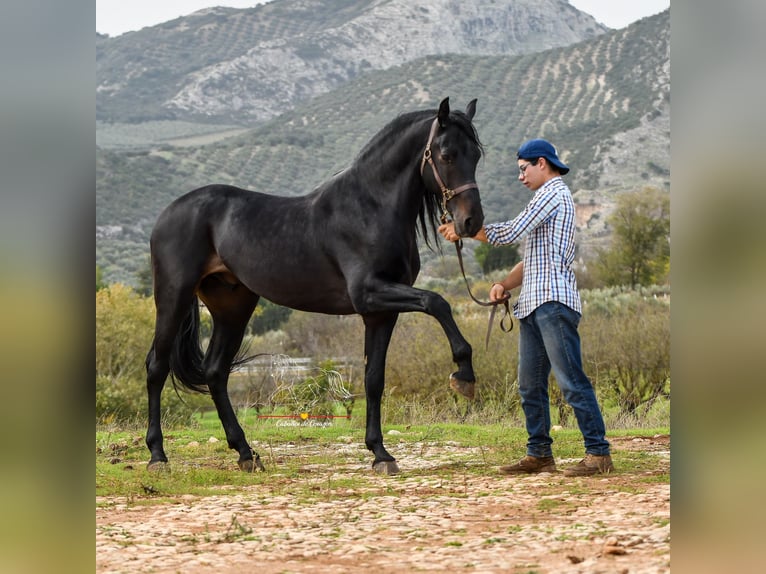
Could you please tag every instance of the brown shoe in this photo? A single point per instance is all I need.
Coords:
(591, 464)
(530, 465)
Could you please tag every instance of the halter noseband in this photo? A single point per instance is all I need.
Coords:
(447, 193)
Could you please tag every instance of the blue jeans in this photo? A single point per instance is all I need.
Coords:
(549, 338)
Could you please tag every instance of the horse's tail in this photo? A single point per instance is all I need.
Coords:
(186, 356)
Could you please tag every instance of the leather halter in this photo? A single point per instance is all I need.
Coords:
(447, 193)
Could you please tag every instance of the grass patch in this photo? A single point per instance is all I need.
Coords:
(552, 504)
(326, 462)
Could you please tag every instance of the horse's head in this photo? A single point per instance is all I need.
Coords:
(453, 151)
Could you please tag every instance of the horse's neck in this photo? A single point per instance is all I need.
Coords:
(396, 168)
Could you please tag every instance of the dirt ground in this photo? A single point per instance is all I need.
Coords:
(483, 522)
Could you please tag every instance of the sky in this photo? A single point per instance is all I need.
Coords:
(115, 17)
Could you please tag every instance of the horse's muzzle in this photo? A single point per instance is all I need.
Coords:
(470, 223)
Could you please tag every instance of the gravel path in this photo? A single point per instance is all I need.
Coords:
(474, 523)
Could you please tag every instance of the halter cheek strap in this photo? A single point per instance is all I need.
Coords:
(447, 193)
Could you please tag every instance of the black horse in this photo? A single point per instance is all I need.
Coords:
(347, 247)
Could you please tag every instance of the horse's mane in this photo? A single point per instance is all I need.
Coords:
(430, 210)
(394, 128)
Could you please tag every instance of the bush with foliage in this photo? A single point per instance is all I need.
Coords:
(267, 317)
(321, 393)
(625, 343)
(124, 332)
(491, 258)
(626, 346)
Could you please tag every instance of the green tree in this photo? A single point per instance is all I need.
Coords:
(491, 257)
(640, 251)
(99, 278)
(144, 278)
(268, 316)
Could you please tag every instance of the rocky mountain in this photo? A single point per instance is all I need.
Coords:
(245, 66)
(604, 101)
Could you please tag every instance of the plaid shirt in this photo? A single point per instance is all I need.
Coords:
(549, 221)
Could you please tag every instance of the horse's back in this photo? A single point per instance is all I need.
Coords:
(198, 203)
(204, 211)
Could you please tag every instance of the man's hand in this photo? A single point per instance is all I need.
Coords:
(497, 292)
(447, 231)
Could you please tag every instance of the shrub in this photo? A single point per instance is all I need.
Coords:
(492, 258)
(318, 393)
(626, 346)
(124, 331)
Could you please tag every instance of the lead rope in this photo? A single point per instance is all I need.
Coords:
(504, 301)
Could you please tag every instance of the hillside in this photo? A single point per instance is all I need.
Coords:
(225, 65)
(604, 102)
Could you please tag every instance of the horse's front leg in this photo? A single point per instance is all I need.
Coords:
(403, 298)
(463, 380)
(377, 336)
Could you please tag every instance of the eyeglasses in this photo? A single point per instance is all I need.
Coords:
(523, 168)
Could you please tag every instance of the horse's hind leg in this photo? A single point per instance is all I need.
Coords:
(377, 336)
(231, 307)
(171, 310)
(156, 373)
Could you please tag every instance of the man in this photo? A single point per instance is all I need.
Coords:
(549, 311)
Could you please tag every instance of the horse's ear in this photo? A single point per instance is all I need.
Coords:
(443, 114)
(470, 109)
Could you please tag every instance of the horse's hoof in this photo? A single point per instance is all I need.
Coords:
(251, 465)
(468, 390)
(388, 467)
(158, 466)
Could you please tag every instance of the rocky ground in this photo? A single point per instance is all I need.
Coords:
(479, 522)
